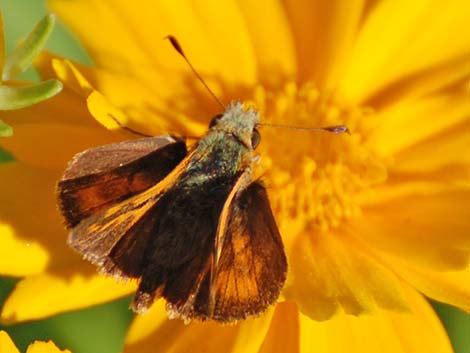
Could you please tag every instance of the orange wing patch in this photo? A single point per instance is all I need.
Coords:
(252, 266)
(100, 177)
(96, 236)
(237, 275)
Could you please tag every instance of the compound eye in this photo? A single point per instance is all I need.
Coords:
(214, 120)
(255, 138)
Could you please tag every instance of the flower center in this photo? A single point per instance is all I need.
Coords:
(314, 178)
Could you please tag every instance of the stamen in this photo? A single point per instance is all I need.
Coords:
(319, 177)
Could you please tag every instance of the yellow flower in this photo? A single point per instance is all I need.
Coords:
(285, 329)
(370, 221)
(7, 346)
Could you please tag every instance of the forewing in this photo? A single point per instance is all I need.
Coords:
(116, 238)
(252, 265)
(100, 177)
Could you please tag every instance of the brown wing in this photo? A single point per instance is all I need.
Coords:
(252, 265)
(116, 238)
(100, 177)
(179, 254)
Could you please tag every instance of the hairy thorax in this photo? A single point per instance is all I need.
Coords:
(217, 155)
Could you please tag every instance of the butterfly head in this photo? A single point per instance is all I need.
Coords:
(238, 122)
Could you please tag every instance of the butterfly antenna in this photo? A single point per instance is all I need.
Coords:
(338, 129)
(176, 45)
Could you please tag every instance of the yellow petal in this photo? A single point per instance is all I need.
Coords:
(324, 32)
(45, 347)
(6, 344)
(224, 27)
(425, 227)
(147, 109)
(283, 333)
(144, 77)
(415, 331)
(143, 326)
(71, 288)
(127, 38)
(451, 287)
(154, 332)
(20, 257)
(425, 28)
(122, 88)
(53, 146)
(67, 72)
(407, 123)
(440, 157)
(389, 332)
(332, 271)
(448, 77)
(59, 127)
(104, 112)
(31, 217)
(271, 39)
(252, 332)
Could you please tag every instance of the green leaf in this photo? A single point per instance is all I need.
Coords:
(5, 130)
(20, 97)
(22, 57)
(5, 157)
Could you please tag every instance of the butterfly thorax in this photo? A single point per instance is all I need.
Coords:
(217, 156)
(226, 150)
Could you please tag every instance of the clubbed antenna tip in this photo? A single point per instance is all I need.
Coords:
(174, 42)
(339, 129)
